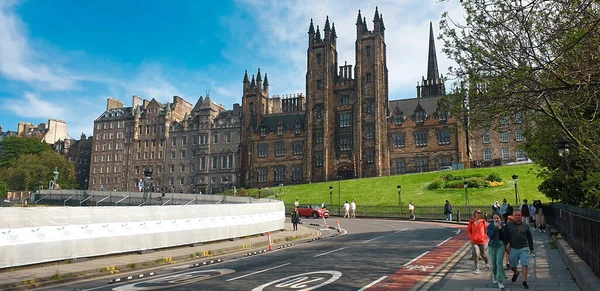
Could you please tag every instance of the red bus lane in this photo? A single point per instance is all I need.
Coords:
(415, 271)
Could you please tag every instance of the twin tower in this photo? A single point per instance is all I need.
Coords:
(343, 116)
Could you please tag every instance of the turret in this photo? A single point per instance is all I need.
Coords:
(318, 37)
(359, 24)
(167, 119)
(259, 80)
(378, 22)
(137, 112)
(246, 81)
(327, 29)
(266, 84)
(252, 83)
(311, 32)
(333, 33)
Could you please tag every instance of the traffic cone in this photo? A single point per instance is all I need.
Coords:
(270, 243)
(338, 226)
(25, 203)
(325, 222)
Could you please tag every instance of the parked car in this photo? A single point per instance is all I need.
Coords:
(6, 203)
(313, 210)
(446, 168)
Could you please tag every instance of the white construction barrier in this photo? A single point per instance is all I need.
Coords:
(43, 234)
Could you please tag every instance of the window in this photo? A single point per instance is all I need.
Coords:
(443, 137)
(318, 58)
(518, 117)
(184, 141)
(204, 139)
(445, 162)
(171, 168)
(319, 84)
(279, 174)
(263, 131)
(298, 148)
(520, 155)
(183, 154)
(370, 157)
(174, 141)
(368, 77)
(262, 175)
(298, 128)
(345, 144)
(421, 138)
(443, 116)
(368, 49)
(319, 113)
(319, 136)
(228, 137)
(230, 165)
(280, 129)
(505, 153)
(182, 168)
(319, 159)
(203, 163)
(263, 150)
(171, 181)
(486, 137)
(400, 166)
(279, 148)
(370, 131)
(369, 107)
(224, 162)
(345, 100)
(297, 173)
(192, 168)
(504, 120)
(216, 138)
(172, 155)
(504, 136)
(160, 154)
(345, 120)
(519, 135)
(420, 117)
(400, 140)
(399, 119)
(152, 155)
(422, 164)
(215, 162)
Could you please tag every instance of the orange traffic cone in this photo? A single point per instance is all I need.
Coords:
(270, 243)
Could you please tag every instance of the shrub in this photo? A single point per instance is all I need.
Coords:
(496, 184)
(494, 177)
(454, 184)
(477, 182)
(437, 184)
(267, 192)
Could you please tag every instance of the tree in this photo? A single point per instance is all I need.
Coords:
(30, 170)
(540, 58)
(14, 146)
(3, 189)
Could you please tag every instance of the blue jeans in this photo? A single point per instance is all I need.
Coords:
(449, 217)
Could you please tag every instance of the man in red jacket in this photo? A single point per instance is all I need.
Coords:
(479, 240)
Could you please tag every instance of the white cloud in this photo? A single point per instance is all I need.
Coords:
(282, 29)
(18, 61)
(31, 106)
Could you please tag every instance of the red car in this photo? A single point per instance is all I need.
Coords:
(313, 210)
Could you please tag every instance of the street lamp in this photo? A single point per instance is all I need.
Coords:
(330, 195)
(339, 195)
(399, 196)
(563, 148)
(53, 183)
(280, 190)
(516, 179)
(466, 185)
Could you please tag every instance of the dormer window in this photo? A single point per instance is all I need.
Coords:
(518, 117)
(280, 129)
(399, 120)
(298, 128)
(263, 131)
(443, 116)
(420, 117)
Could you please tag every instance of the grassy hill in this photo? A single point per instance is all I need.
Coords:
(382, 191)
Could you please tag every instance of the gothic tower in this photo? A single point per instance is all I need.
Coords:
(433, 86)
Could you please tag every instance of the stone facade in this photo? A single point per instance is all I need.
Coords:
(178, 142)
(51, 132)
(78, 152)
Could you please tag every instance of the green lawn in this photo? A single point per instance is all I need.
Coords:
(382, 191)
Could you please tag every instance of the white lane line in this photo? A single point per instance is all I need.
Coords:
(458, 231)
(372, 283)
(329, 252)
(411, 261)
(401, 230)
(444, 241)
(373, 239)
(258, 272)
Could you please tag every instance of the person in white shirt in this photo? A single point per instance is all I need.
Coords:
(411, 210)
(347, 208)
(297, 203)
(353, 209)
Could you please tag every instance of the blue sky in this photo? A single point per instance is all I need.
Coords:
(62, 58)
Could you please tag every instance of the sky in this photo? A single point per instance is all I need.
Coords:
(62, 59)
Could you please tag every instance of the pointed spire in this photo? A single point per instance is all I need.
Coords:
(327, 27)
(432, 65)
(318, 37)
(252, 83)
(381, 20)
(266, 83)
(333, 33)
(311, 28)
(258, 76)
(376, 17)
(359, 18)
(246, 77)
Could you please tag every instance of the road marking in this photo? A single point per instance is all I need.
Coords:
(411, 261)
(304, 281)
(458, 231)
(258, 272)
(401, 230)
(444, 241)
(372, 283)
(329, 252)
(373, 239)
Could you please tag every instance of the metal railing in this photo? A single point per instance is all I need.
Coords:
(580, 227)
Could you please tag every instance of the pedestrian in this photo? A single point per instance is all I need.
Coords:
(411, 210)
(297, 203)
(509, 212)
(323, 205)
(496, 249)
(540, 220)
(347, 209)
(503, 209)
(448, 211)
(526, 212)
(353, 209)
(509, 219)
(496, 207)
(477, 233)
(517, 237)
(295, 218)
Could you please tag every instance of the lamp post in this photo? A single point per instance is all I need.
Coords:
(339, 195)
(466, 185)
(516, 179)
(330, 195)
(147, 181)
(280, 190)
(563, 148)
(400, 196)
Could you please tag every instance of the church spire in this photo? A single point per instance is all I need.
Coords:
(318, 37)
(432, 65)
(246, 77)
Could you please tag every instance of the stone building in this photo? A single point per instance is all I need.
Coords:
(50, 132)
(79, 153)
(178, 142)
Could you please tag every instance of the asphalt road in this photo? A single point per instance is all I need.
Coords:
(368, 251)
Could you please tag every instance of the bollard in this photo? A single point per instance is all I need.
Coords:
(270, 243)
(338, 226)
(458, 216)
(324, 222)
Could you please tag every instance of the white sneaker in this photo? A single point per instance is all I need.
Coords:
(494, 280)
(500, 285)
(476, 272)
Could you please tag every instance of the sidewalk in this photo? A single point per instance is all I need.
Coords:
(547, 271)
(53, 274)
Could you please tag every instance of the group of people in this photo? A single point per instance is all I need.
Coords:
(350, 209)
(508, 237)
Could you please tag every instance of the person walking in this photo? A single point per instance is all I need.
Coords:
(540, 220)
(477, 233)
(295, 218)
(323, 205)
(411, 210)
(503, 209)
(448, 211)
(496, 207)
(297, 203)
(526, 212)
(496, 249)
(518, 239)
(353, 209)
(347, 209)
